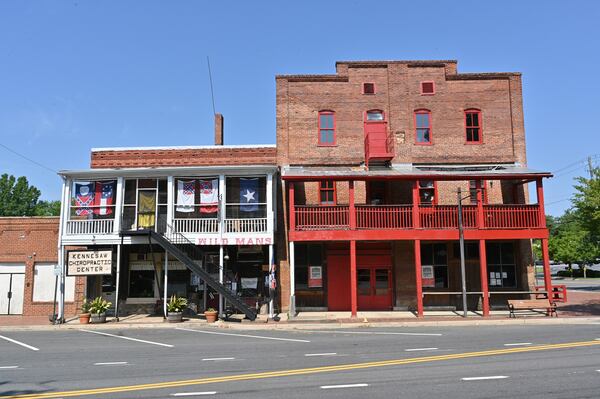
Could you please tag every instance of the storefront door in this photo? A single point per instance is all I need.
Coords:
(374, 287)
(12, 287)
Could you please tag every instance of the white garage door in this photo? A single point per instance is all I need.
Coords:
(44, 282)
(12, 288)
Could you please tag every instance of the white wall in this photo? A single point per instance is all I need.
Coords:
(43, 284)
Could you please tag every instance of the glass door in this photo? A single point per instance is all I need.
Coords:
(146, 211)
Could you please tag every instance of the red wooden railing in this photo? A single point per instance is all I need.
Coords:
(511, 216)
(322, 217)
(382, 217)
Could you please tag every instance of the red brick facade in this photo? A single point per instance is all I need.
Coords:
(31, 240)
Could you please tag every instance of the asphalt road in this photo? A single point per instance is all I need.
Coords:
(560, 361)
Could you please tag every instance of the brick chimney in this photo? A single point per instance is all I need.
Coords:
(219, 135)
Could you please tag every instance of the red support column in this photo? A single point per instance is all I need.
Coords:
(292, 206)
(418, 278)
(353, 290)
(485, 303)
(415, 206)
(351, 207)
(480, 218)
(540, 198)
(547, 276)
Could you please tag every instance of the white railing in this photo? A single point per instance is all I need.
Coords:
(98, 226)
(258, 225)
(205, 225)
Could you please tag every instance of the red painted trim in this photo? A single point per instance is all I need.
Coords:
(418, 279)
(480, 199)
(428, 112)
(416, 219)
(353, 288)
(292, 206)
(327, 189)
(546, 259)
(319, 142)
(421, 86)
(374, 110)
(539, 185)
(435, 193)
(480, 126)
(412, 234)
(485, 303)
(374, 88)
(352, 208)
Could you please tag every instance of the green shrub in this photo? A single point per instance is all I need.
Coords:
(99, 305)
(176, 304)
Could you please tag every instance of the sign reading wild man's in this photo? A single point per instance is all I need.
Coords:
(85, 263)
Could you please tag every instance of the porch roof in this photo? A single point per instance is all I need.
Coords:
(413, 172)
(182, 171)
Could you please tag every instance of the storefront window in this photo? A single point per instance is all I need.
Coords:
(435, 256)
(501, 264)
(309, 275)
(141, 283)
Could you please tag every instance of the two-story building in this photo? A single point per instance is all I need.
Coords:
(372, 159)
(169, 214)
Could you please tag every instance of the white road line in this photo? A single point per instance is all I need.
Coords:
(376, 333)
(320, 354)
(344, 386)
(33, 348)
(194, 393)
(491, 377)
(127, 338)
(518, 344)
(109, 363)
(242, 335)
(8, 367)
(420, 349)
(218, 358)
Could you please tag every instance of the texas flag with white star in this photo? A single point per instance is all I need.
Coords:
(248, 194)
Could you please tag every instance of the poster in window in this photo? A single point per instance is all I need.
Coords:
(427, 276)
(315, 276)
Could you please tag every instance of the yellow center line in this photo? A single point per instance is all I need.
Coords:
(294, 372)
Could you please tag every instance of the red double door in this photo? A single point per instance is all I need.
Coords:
(373, 282)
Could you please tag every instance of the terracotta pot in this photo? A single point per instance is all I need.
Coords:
(175, 317)
(84, 318)
(211, 317)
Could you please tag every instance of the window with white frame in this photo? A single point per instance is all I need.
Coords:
(196, 197)
(246, 197)
(145, 204)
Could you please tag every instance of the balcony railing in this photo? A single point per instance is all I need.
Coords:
(200, 225)
(98, 226)
(254, 225)
(385, 217)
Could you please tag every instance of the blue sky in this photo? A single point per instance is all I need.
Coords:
(81, 74)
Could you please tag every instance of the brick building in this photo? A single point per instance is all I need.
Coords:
(28, 256)
(372, 158)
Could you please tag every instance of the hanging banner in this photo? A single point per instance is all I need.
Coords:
(249, 195)
(209, 195)
(104, 197)
(84, 198)
(185, 196)
(88, 263)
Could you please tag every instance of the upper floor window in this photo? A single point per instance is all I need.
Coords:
(327, 192)
(427, 88)
(368, 88)
(326, 128)
(93, 200)
(423, 126)
(426, 192)
(473, 126)
(246, 198)
(375, 115)
(473, 191)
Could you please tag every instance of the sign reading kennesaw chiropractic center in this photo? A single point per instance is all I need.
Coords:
(85, 263)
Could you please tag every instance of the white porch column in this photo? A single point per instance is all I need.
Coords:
(118, 282)
(62, 229)
(270, 217)
(292, 260)
(118, 206)
(222, 202)
(221, 279)
(271, 276)
(170, 203)
(165, 299)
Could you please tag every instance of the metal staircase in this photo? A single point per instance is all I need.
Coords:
(186, 251)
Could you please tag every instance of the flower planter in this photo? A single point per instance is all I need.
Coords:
(175, 317)
(84, 318)
(211, 317)
(98, 318)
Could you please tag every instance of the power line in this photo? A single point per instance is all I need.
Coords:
(28, 159)
(212, 93)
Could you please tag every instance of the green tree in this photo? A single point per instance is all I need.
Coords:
(587, 203)
(17, 197)
(573, 244)
(47, 208)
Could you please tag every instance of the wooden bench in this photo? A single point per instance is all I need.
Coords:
(531, 305)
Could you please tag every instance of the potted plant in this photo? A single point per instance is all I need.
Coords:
(98, 308)
(211, 315)
(84, 316)
(175, 308)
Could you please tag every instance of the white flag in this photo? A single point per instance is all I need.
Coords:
(209, 195)
(185, 195)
